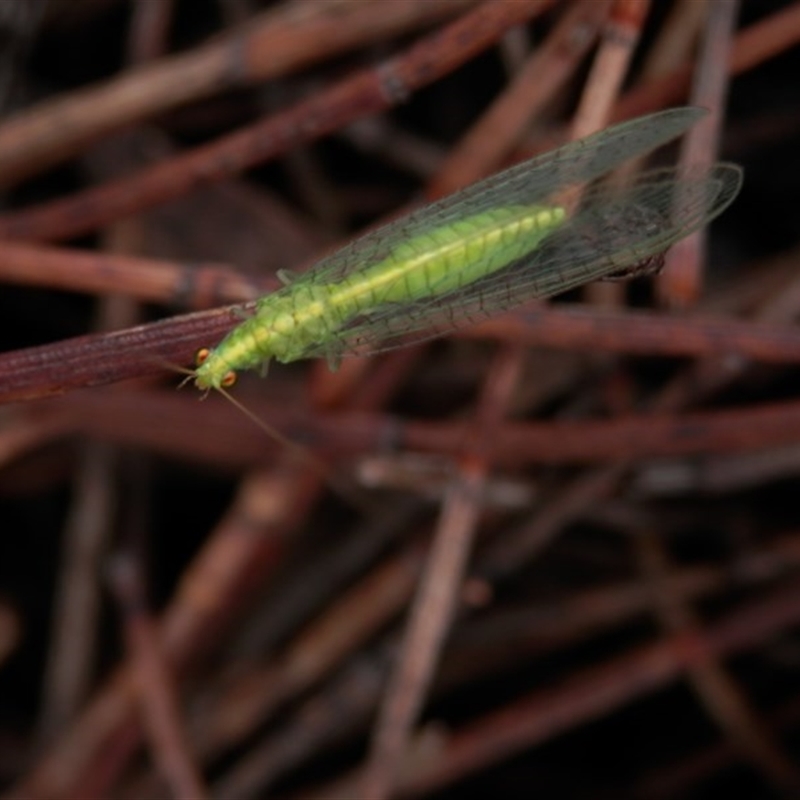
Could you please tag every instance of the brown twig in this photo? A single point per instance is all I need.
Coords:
(618, 43)
(316, 652)
(241, 553)
(752, 46)
(146, 279)
(487, 143)
(98, 359)
(327, 642)
(74, 641)
(366, 92)
(544, 714)
(719, 692)
(680, 282)
(483, 646)
(155, 688)
(282, 40)
(147, 37)
(435, 604)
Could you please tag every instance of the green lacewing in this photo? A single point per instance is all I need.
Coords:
(492, 246)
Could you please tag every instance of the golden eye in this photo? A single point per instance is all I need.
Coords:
(201, 356)
(228, 379)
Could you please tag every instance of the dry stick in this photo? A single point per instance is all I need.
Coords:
(339, 711)
(680, 283)
(363, 94)
(26, 374)
(366, 92)
(311, 589)
(672, 48)
(314, 189)
(709, 376)
(505, 557)
(22, 433)
(593, 693)
(147, 38)
(480, 648)
(435, 605)
(490, 139)
(590, 694)
(240, 554)
(99, 359)
(429, 476)
(184, 284)
(619, 41)
(719, 475)
(290, 37)
(486, 645)
(382, 138)
(464, 762)
(156, 693)
(73, 642)
(554, 624)
(646, 435)
(315, 652)
(538, 630)
(523, 726)
(752, 46)
(720, 694)
(73, 648)
(70, 662)
(515, 563)
(640, 332)
(610, 293)
(234, 564)
(168, 424)
(436, 601)
(675, 40)
(155, 688)
(94, 360)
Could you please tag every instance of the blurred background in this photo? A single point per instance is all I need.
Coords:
(555, 554)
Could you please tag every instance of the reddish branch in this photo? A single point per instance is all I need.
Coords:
(367, 92)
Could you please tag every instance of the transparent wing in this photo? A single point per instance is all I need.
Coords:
(614, 228)
(529, 183)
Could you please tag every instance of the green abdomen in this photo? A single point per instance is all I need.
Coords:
(432, 264)
(446, 259)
